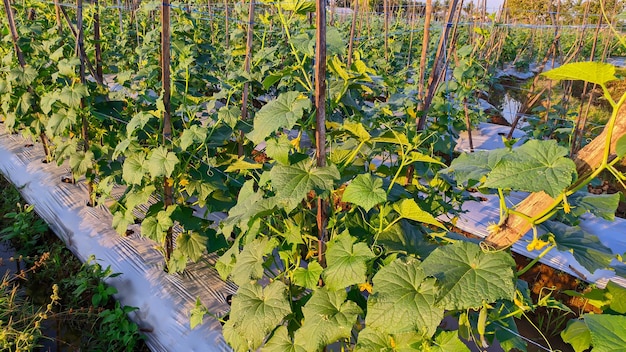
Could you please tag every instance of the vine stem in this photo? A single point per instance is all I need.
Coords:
(534, 261)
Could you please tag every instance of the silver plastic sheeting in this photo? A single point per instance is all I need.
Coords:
(164, 300)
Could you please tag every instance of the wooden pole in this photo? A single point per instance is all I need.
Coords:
(246, 85)
(80, 49)
(352, 29)
(14, 35)
(168, 198)
(226, 25)
(587, 160)
(436, 70)
(96, 39)
(425, 48)
(320, 119)
(386, 25)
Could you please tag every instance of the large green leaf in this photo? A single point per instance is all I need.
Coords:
(406, 238)
(161, 162)
(446, 341)
(403, 300)
(81, 162)
(250, 205)
(278, 149)
(71, 95)
(281, 342)
(347, 262)
(365, 191)
(608, 332)
(191, 244)
(468, 276)
(192, 134)
(600, 205)
(121, 220)
(283, 112)
(249, 265)
(255, 312)
(372, 340)
(474, 166)
(577, 334)
(328, 317)
(292, 183)
(586, 248)
(533, 167)
(408, 209)
(155, 226)
(24, 76)
(138, 122)
(308, 277)
(134, 169)
(593, 72)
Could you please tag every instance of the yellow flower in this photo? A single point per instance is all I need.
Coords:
(169, 181)
(366, 286)
(184, 182)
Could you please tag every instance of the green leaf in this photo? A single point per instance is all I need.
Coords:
(134, 169)
(72, 95)
(23, 76)
(292, 183)
(533, 167)
(121, 220)
(138, 122)
(408, 209)
(586, 248)
(81, 162)
(577, 334)
(419, 157)
(403, 300)
(608, 332)
(230, 115)
(67, 67)
(155, 226)
(600, 205)
(365, 191)
(60, 122)
(347, 262)
(328, 317)
(281, 342)
(620, 146)
(139, 195)
(468, 276)
(407, 239)
(191, 244)
(197, 314)
(372, 340)
(446, 341)
(283, 112)
(617, 294)
(192, 134)
(249, 265)
(256, 311)
(593, 72)
(250, 205)
(161, 162)
(278, 149)
(308, 277)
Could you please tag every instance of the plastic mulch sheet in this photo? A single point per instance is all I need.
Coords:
(164, 300)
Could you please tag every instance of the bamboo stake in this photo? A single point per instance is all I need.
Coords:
(411, 36)
(83, 54)
(120, 16)
(320, 120)
(425, 48)
(168, 198)
(246, 85)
